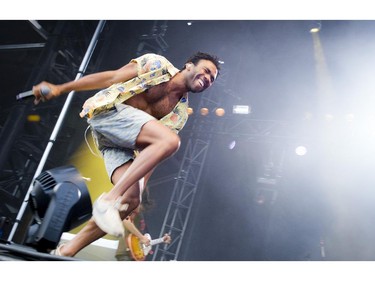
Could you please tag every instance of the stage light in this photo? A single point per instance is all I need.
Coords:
(241, 109)
(60, 201)
(204, 111)
(219, 112)
(301, 150)
(33, 118)
(190, 111)
(315, 26)
(232, 144)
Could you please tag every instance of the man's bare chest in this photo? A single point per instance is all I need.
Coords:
(156, 94)
(157, 101)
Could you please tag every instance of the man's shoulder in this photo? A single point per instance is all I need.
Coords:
(152, 57)
(151, 61)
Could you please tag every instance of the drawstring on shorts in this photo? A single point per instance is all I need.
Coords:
(88, 144)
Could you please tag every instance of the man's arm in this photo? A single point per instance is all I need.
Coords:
(131, 227)
(93, 81)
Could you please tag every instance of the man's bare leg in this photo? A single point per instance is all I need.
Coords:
(91, 232)
(157, 143)
(88, 234)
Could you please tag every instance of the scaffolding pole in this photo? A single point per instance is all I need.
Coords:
(58, 125)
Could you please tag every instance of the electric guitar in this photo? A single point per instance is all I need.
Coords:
(138, 250)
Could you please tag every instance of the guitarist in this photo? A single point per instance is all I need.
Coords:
(135, 224)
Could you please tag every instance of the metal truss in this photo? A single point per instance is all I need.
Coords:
(180, 205)
(187, 182)
(26, 129)
(154, 42)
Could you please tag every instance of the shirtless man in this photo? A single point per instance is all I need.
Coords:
(142, 108)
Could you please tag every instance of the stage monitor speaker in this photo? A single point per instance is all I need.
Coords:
(60, 202)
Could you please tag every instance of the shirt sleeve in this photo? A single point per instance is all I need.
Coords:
(149, 62)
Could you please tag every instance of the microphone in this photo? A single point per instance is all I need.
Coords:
(44, 90)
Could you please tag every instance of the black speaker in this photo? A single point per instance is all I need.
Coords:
(60, 202)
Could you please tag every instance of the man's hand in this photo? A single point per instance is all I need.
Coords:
(145, 241)
(167, 238)
(45, 91)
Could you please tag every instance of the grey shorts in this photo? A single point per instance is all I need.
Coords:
(115, 133)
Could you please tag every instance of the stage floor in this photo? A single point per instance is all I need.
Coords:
(100, 250)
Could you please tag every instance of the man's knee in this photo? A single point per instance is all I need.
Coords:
(155, 133)
(133, 202)
(172, 143)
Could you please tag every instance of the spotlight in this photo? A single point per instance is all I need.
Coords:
(315, 26)
(241, 109)
(301, 150)
(60, 202)
(232, 144)
(190, 111)
(204, 111)
(33, 118)
(219, 111)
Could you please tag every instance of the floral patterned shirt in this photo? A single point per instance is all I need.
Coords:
(152, 70)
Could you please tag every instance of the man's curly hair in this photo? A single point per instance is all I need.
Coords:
(203, 56)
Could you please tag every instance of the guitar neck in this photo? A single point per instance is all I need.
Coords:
(156, 241)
